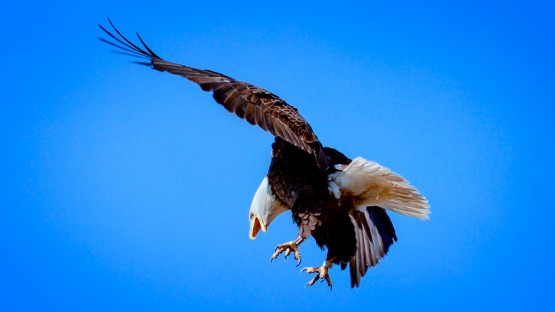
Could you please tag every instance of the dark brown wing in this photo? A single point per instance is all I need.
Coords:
(374, 235)
(254, 104)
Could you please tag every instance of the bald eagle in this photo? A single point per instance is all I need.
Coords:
(340, 202)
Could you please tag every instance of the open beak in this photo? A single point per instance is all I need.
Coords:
(256, 226)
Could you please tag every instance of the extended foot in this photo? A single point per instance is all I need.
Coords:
(288, 247)
(322, 274)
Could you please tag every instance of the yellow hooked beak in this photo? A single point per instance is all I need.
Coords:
(256, 226)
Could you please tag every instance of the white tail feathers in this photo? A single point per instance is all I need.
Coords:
(368, 183)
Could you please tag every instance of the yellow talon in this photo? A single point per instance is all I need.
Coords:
(323, 274)
(288, 248)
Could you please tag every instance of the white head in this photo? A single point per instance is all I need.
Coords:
(265, 208)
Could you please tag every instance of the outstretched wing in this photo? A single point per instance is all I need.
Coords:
(254, 104)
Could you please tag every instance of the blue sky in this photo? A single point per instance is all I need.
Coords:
(123, 188)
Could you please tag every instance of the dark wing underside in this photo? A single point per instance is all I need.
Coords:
(374, 234)
(254, 104)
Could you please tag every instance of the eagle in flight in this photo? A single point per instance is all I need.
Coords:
(340, 202)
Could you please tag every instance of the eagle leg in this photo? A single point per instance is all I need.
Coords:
(323, 273)
(292, 246)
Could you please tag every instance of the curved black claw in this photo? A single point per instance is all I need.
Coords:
(288, 248)
(323, 275)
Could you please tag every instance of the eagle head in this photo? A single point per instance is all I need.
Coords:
(265, 208)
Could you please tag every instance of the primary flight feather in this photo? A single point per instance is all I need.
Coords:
(338, 201)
